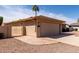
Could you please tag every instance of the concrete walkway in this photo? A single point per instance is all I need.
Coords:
(36, 41)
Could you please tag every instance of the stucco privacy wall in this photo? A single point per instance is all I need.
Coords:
(30, 30)
(6, 30)
(18, 29)
(23, 30)
(11, 31)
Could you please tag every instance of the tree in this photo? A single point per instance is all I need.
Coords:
(35, 8)
(1, 20)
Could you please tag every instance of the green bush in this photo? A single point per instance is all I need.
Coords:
(1, 20)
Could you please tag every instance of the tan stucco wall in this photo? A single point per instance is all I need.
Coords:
(47, 29)
(60, 28)
(17, 31)
(49, 26)
(30, 30)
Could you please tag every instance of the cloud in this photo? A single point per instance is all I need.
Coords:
(11, 13)
(58, 16)
(61, 17)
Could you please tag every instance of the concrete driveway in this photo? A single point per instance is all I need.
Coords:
(68, 39)
(72, 40)
(36, 41)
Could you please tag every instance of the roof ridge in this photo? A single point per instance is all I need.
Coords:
(30, 18)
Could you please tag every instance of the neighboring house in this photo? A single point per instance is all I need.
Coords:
(75, 26)
(35, 26)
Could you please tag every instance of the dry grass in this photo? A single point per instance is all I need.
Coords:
(16, 46)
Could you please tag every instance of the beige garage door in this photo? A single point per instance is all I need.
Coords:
(48, 29)
(17, 30)
(30, 30)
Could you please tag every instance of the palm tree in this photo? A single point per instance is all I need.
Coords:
(35, 8)
(1, 20)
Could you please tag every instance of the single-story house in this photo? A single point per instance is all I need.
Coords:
(35, 26)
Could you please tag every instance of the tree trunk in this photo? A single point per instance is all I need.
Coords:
(35, 21)
(35, 13)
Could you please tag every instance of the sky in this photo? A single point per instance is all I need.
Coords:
(68, 13)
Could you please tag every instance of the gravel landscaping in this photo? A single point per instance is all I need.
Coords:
(15, 46)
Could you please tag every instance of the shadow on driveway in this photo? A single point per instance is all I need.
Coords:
(64, 34)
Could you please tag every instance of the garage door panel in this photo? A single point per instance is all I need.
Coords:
(48, 29)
